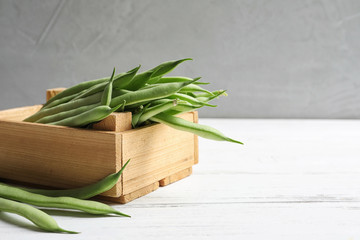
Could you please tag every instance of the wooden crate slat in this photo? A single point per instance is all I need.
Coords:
(56, 156)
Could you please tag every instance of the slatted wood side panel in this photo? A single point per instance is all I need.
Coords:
(57, 156)
(156, 152)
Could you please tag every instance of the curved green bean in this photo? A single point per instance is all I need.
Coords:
(161, 91)
(76, 89)
(176, 79)
(189, 99)
(95, 98)
(198, 129)
(66, 114)
(93, 115)
(88, 206)
(107, 94)
(193, 88)
(63, 100)
(153, 74)
(126, 78)
(206, 97)
(38, 217)
(119, 80)
(83, 192)
(139, 80)
(182, 108)
(152, 111)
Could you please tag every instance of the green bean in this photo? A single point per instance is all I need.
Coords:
(119, 81)
(134, 106)
(38, 217)
(152, 111)
(66, 114)
(63, 100)
(181, 108)
(136, 114)
(88, 206)
(95, 98)
(90, 91)
(161, 91)
(83, 192)
(198, 129)
(189, 99)
(176, 79)
(107, 94)
(193, 88)
(76, 89)
(126, 78)
(118, 92)
(153, 74)
(139, 80)
(93, 115)
(207, 97)
(161, 101)
(211, 96)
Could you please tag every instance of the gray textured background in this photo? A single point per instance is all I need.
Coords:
(277, 59)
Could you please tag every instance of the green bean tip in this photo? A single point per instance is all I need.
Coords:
(122, 214)
(234, 141)
(60, 230)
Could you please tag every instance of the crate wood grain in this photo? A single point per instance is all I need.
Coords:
(64, 157)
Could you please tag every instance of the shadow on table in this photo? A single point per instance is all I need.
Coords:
(24, 223)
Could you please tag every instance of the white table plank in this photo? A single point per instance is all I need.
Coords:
(293, 179)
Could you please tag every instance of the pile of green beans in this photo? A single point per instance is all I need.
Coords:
(16, 200)
(150, 96)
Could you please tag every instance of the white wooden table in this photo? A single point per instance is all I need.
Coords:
(293, 179)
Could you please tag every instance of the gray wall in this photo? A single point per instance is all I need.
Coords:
(278, 59)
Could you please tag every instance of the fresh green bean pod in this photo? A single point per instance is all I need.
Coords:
(139, 80)
(198, 129)
(193, 88)
(161, 101)
(206, 97)
(119, 81)
(144, 95)
(83, 192)
(152, 111)
(93, 115)
(181, 108)
(170, 79)
(118, 92)
(135, 118)
(126, 78)
(76, 89)
(189, 99)
(66, 114)
(88, 206)
(63, 100)
(107, 94)
(153, 74)
(92, 90)
(38, 217)
(95, 98)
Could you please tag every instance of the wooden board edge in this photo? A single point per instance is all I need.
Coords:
(175, 177)
(196, 139)
(133, 195)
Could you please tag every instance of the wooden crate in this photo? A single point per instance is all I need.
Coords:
(64, 157)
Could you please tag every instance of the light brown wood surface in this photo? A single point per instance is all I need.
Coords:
(175, 177)
(117, 122)
(19, 114)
